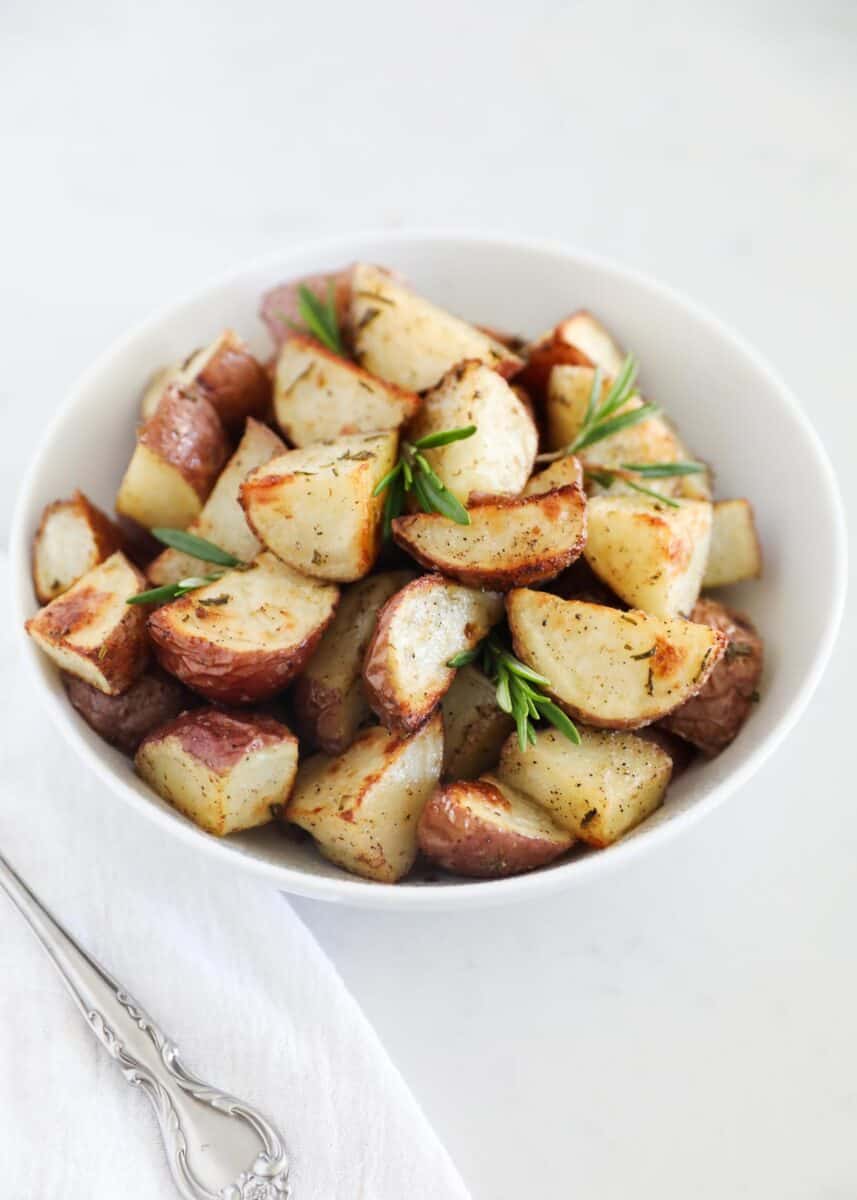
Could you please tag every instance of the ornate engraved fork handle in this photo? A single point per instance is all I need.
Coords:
(218, 1147)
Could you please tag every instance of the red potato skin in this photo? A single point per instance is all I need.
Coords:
(221, 674)
(235, 384)
(712, 719)
(681, 752)
(320, 721)
(525, 571)
(383, 704)
(542, 359)
(280, 308)
(219, 738)
(106, 533)
(186, 432)
(125, 720)
(454, 836)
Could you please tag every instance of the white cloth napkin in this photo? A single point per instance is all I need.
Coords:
(222, 962)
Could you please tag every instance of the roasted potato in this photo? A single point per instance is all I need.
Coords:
(714, 716)
(598, 790)
(222, 519)
(225, 373)
(611, 669)
(403, 338)
(73, 537)
(280, 308)
(245, 636)
(329, 698)
(680, 751)
(509, 542)
(90, 631)
(315, 509)
(649, 441)
(652, 556)
(418, 631)
(180, 452)
(735, 553)
(562, 473)
(363, 808)
(498, 458)
(124, 720)
(226, 771)
(319, 396)
(579, 340)
(474, 726)
(487, 830)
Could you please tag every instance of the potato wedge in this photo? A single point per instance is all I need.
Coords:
(245, 636)
(314, 506)
(363, 809)
(124, 720)
(222, 518)
(611, 669)
(319, 396)
(509, 542)
(92, 632)
(73, 537)
(474, 726)
(225, 374)
(598, 790)
(405, 339)
(226, 771)
(487, 830)
(498, 458)
(713, 718)
(418, 631)
(652, 556)
(650, 441)
(735, 553)
(180, 452)
(561, 473)
(329, 699)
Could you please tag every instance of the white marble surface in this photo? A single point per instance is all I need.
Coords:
(685, 1028)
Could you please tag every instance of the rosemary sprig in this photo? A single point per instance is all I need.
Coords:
(519, 690)
(319, 317)
(413, 473)
(605, 476)
(197, 547)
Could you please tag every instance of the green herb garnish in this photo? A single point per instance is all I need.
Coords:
(412, 473)
(196, 547)
(171, 591)
(519, 690)
(319, 317)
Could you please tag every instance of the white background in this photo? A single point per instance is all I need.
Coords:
(688, 1026)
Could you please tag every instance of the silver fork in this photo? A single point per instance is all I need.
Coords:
(218, 1147)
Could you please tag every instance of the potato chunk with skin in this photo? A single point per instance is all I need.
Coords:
(280, 307)
(649, 441)
(734, 553)
(474, 725)
(561, 473)
(329, 699)
(487, 830)
(180, 452)
(124, 720)
(498, 458)
(579, 340)
(508, 543)
(598, 790)
(418, 631)
(319, 396)
(363, 808)
(652, 556)
(225, 374)
(92, 632)
(611, 669)
(226, 771)
(405, 339)
(73, 537)
(713, 718)
(245, 636)
(222, 520)
(315, 509)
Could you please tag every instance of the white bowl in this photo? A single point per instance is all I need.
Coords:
(730, 407)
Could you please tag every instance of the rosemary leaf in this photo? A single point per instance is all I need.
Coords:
(319, 316)
(197, 547)
(444, 437)
(601, 428)
(441, 500)
(665, 470)
(638, 487)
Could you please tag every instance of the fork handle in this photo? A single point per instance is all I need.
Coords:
(218, 1147)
